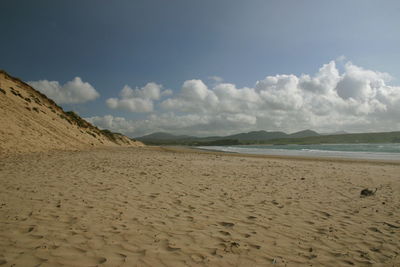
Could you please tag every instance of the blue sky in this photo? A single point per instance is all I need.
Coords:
(113, 44)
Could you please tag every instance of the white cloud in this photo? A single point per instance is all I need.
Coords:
(75, 91)
(116, 124)
(134, 104)
(138, 100)
(323, 82)
(360, 84)
(355, 100)
(216, 79)
(341, 58)
(280, 92)
(166, 92)
(194, 90)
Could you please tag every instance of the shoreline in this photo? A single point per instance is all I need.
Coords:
(190, 149)
(184, 149)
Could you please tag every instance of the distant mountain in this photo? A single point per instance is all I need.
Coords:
(305, 133)
(265, 137)
(164, 136)
(256, 136)
(335, 133)
(159, 138)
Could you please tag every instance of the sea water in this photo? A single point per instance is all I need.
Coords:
(387, 151)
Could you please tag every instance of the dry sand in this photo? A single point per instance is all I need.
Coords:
(157, 207)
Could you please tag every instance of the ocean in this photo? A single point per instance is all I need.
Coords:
(387, 151)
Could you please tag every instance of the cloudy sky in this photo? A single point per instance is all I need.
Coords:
(212, 66)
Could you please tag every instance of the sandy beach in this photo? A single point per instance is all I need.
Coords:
(168, 207)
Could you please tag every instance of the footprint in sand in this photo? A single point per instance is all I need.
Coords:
(102, 260)
(170, 246)
(226, 224)
(225, 233)
(198, 258)
(254, 246)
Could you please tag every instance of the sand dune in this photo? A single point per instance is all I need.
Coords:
(30, 122)
(153, 207)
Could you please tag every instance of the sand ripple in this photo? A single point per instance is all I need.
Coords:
(146, 207)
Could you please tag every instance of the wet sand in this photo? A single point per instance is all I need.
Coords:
(177, 207)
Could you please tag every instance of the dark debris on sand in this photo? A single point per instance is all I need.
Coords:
(367, 192)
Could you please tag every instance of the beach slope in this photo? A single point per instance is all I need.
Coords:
(31, 122)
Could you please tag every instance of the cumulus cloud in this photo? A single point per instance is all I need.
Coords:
(324, 81)
(72, 92)
(355, 100)
(361, 84)
(116, 124)
(139, 99)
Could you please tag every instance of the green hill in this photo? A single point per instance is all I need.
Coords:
(276, 138)
(253, 137)
(305, 133)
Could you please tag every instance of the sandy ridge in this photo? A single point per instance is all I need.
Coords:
(29, 121)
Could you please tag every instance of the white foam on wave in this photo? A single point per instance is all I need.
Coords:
(306, 152)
